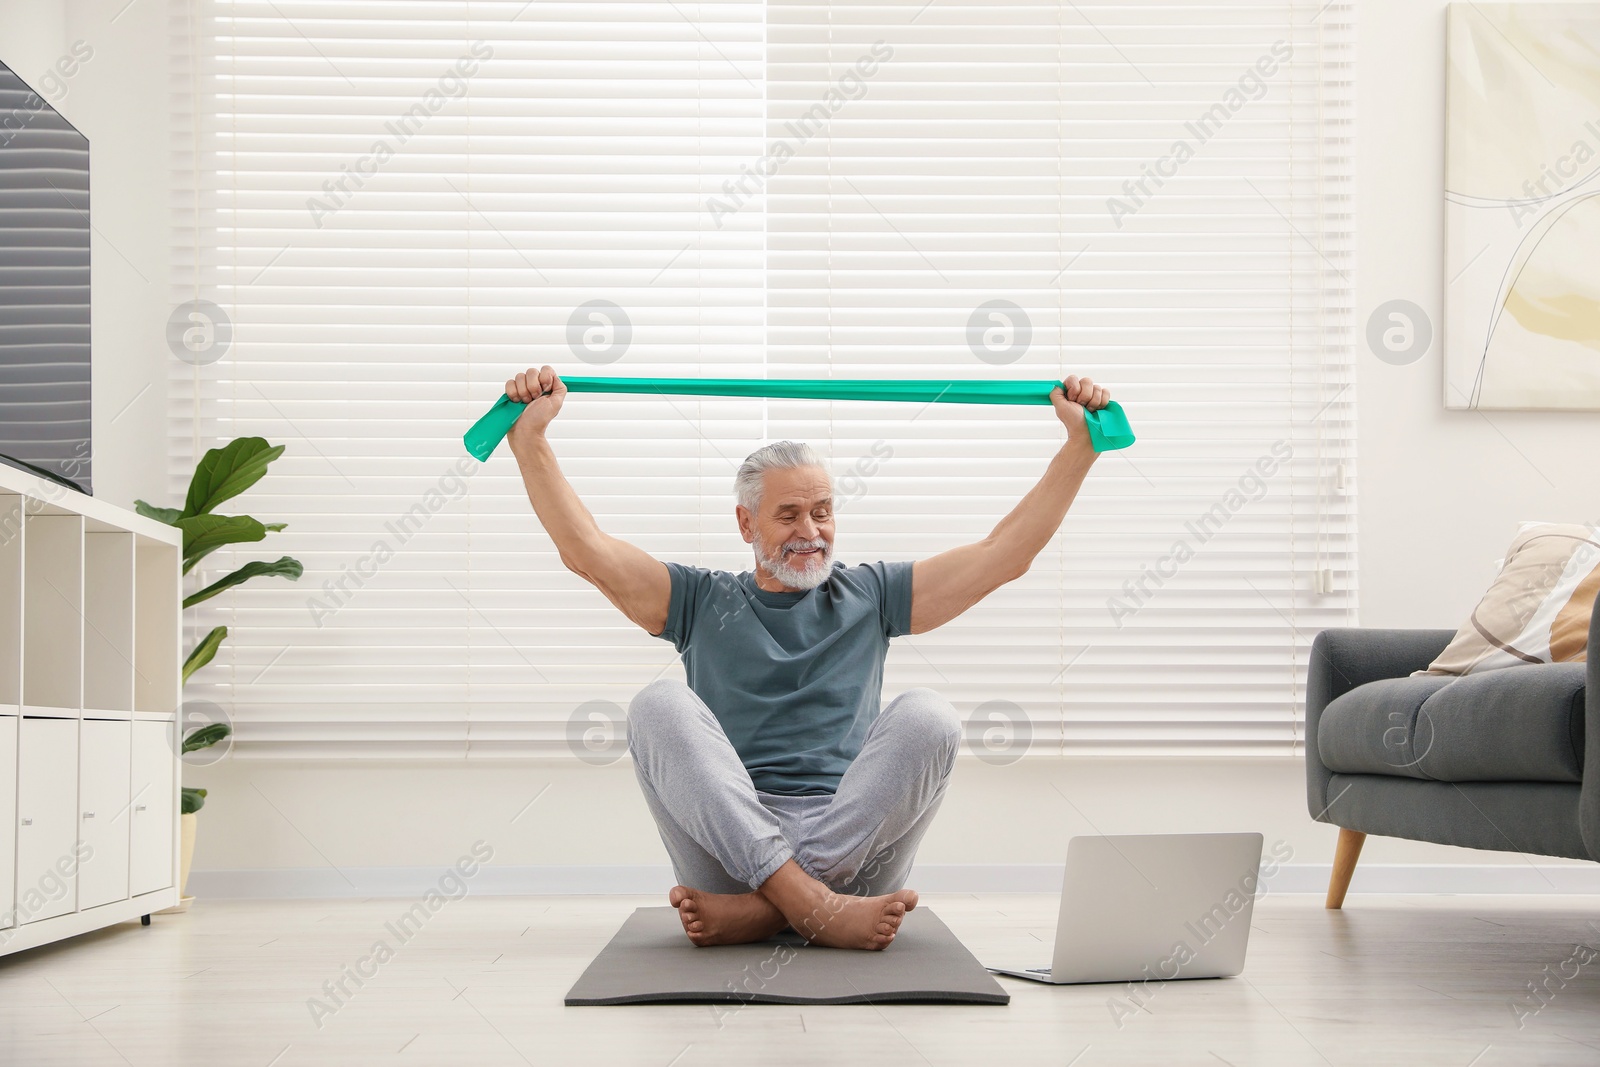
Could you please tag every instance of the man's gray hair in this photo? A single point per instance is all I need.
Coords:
(780, 455)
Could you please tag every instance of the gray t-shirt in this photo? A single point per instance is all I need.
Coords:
(794, 678)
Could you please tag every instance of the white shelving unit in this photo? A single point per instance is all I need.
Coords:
(90, 603)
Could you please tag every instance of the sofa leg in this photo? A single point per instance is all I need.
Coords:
(1344, 865)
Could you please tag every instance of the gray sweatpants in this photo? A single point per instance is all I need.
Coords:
(725, 836)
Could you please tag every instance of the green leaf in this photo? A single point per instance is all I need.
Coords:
(206, 736)
(193, 800)
(281, 568)
(204, 534)
(169, 516)
(224, 473)
(204, 651)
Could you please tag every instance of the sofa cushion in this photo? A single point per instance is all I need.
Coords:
(1538, 608)
(1523, 724)
(1370, 729)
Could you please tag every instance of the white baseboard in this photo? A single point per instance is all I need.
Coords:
(307, 882)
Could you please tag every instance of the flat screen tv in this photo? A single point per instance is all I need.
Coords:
(44, 287)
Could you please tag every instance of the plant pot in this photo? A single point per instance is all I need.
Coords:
(191, 821)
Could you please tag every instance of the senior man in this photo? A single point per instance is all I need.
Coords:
(784, 796)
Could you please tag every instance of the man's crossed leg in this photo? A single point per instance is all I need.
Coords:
(750, 864)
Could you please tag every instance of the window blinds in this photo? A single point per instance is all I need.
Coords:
(394, 207)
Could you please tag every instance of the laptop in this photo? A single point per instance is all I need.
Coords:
(1152, 906)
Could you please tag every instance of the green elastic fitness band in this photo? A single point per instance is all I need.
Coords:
(1108, 427)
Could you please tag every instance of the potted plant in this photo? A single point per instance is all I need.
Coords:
(193, 800)
(222, 474)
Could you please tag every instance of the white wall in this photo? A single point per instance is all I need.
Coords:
(119, 99)
(1441, 492)
(360, 816)
(32, 36)
(1439, 495)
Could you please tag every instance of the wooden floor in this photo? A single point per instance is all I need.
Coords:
(1391, 980)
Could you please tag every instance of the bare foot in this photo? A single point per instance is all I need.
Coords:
(827, 918)
(857, 922)
(725, 918)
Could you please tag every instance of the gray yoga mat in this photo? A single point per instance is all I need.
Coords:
(651, 961)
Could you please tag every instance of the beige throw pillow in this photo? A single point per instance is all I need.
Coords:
(1538, 608)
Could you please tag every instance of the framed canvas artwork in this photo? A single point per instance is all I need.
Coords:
(1522, 206)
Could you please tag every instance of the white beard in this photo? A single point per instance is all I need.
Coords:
(815, 570)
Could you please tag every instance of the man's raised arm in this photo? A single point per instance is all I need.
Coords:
(636, 582)
(946, 585)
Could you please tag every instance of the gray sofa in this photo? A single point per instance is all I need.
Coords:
(1506, 760)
